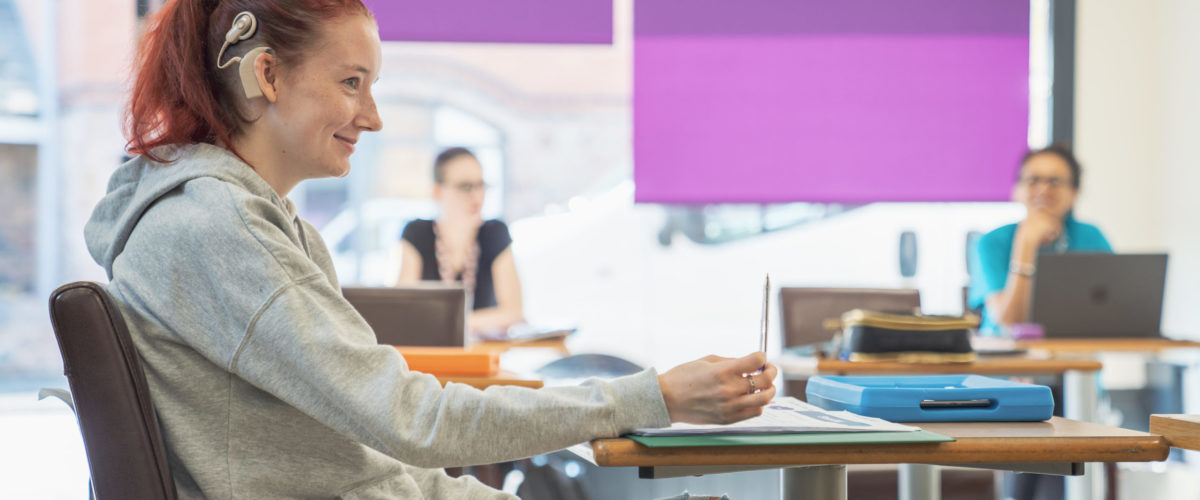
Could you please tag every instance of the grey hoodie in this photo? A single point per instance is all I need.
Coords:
(268, 384)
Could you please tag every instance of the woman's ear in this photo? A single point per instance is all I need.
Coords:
(266, 73)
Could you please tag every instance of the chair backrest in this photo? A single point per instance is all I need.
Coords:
(112, 401)
(805, 310)
(427, 314)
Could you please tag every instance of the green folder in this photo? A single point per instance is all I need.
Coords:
(921, 436)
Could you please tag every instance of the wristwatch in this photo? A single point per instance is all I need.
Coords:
(1021, 269)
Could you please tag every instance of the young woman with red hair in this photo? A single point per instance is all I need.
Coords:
(266, 382)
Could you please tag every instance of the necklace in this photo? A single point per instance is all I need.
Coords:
(468, 272)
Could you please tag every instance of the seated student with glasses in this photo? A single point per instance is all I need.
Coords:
(1002, 278)
(461, 247)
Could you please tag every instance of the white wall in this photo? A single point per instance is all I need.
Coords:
(600, 268)
(1180, 203)
(1137, 133)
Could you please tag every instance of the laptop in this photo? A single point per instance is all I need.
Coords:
(418, 315)
(1097, 295)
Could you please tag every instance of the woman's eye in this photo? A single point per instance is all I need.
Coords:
(351, 82)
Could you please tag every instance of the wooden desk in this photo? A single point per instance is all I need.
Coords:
(1079, 399)
(1182, 431)
(480, 382)
(1091, 346)
(1057, 446)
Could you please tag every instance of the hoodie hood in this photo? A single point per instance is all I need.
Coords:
(140, 182)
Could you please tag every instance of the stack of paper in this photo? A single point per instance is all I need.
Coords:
(786, 415)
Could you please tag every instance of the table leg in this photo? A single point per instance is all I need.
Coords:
(920, 482)
(818, 482)
(1079, 395)
(1079, 403)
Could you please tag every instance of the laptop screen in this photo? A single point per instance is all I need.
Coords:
(420, 315)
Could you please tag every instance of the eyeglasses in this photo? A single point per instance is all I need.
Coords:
(469, 188)
(1050, 182)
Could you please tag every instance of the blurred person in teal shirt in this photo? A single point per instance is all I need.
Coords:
(1004, 264)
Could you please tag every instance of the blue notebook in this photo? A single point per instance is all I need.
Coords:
(933, 398)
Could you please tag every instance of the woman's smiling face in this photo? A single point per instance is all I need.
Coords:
(1046, 185)
(324, 100)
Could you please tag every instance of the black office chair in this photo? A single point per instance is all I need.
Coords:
(579, 366)
(805, 311)
(111, 398)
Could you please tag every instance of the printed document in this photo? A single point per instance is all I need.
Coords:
(784, 416)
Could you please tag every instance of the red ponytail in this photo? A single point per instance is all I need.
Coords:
(177, 97)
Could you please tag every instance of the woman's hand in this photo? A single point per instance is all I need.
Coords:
(1039, 228)
(717, 390)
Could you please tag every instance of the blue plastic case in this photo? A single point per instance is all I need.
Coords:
(933, 398)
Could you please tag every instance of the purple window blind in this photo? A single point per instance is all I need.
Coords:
(494, 21)
(852, 101)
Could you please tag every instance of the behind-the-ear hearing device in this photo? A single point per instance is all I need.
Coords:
(244, 26)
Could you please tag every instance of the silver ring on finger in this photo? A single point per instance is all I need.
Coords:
(753, 389)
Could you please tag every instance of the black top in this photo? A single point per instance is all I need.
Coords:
(493, 238)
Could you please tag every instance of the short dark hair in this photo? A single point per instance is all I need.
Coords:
(439, 163)
(1060, 150)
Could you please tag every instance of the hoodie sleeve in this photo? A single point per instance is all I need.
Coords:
(304, 344)
(434, 483)
(307, 348)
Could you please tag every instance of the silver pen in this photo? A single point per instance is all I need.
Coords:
(762, 342)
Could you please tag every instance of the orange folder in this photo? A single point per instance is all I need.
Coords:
(450, 361)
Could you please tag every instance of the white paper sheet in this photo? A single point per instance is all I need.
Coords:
(786, 415)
